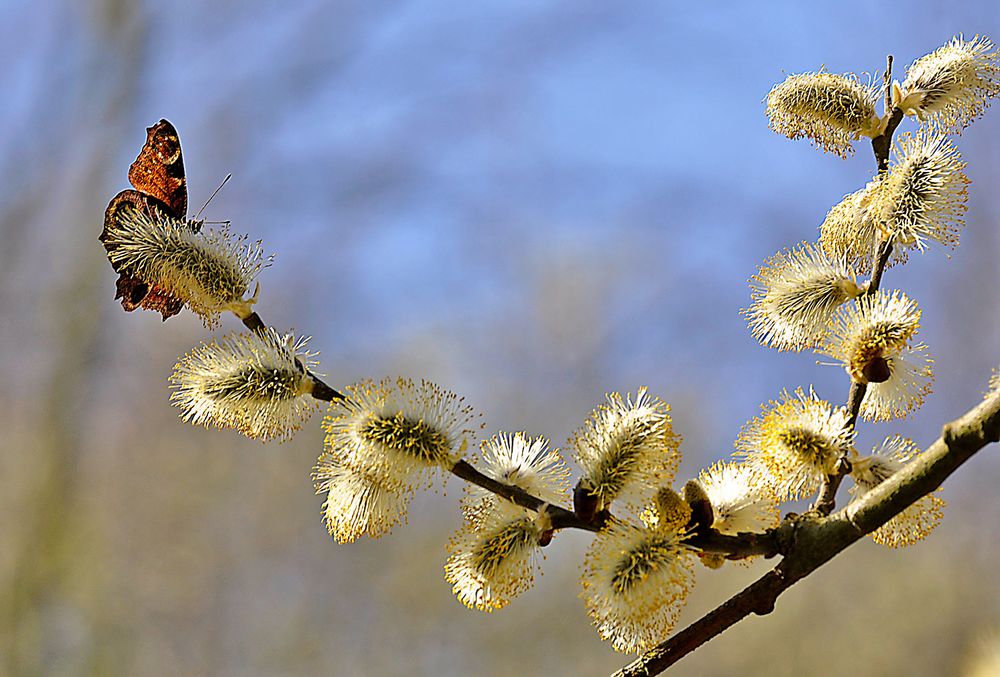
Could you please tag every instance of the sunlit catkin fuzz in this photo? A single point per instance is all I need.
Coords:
(493, 558)
(358, 503)
(627, 448)
(255, 382)
(794, 295)
(741, 500)
(923, 199)
(635, 583)
(669, 511)
(917, 520)
(795, 443)
(395, 429)
(525, 462)
(951, 86)
(871, 338)
(847, 233)
(831, 110)
(209, 271)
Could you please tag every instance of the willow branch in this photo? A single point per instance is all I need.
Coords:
(814, 540)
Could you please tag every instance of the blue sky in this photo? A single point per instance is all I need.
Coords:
(417, 166)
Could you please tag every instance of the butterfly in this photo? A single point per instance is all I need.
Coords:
(157, 175)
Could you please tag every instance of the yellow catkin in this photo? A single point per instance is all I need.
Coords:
(830, 110)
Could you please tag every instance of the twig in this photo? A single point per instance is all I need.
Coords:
(887, 81)
(561, 518)
(709, 540)
(741, 546)
(815, 540)
(881, 145)
(828, 492)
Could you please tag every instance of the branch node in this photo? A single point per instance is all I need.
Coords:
(764, 606)
(948, 433)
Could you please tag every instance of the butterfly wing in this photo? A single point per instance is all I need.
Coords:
(159, 169)
(158, 176)
(133, 292)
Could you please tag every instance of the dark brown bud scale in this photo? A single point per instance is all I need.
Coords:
(585, 503)
(877, 371)
(702, 514)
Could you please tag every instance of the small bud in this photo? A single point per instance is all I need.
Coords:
(520, 461)
(672, 511)
(702, 514)
(398, 430)
(831, 110)
(586, 503)
(915, 522)
(493, 559)
(626, 449)
(876, 371)
(872, 338)
(635, 582)
(951, 86)
(795, 443)
(794, 295)
(210, 271)
(923, 198)
(257, 383)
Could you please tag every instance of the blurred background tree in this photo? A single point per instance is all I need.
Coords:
(529, 203)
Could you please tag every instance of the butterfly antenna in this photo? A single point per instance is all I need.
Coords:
(212, 196)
